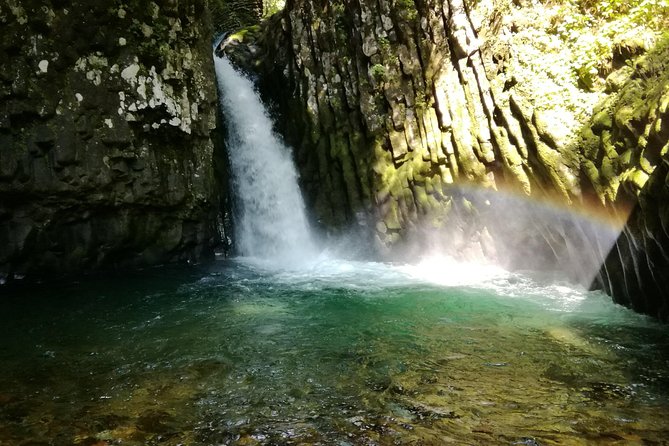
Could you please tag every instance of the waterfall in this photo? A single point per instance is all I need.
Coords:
(270, 220)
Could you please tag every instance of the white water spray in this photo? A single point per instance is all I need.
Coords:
(270, 220)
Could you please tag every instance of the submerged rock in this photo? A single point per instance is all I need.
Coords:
(154, 421)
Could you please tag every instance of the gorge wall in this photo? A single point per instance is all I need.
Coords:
(631, 143)
(403, 114)
(406, 114)
(106, 115)
(412, 121)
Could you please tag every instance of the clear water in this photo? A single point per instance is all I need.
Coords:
(340, 353)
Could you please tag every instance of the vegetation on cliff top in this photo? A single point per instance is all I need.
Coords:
(596, 30)
(563, 57)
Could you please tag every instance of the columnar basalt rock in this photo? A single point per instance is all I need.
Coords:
(636, 272)
(398, 108)
(631, 146)
(231, 15)
(390, 108)
(105, 135)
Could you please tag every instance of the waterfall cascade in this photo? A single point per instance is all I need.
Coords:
(270, 219)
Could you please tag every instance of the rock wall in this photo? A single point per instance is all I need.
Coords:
(231, 15)
(631, 145)
(106, 114)
(400, 111)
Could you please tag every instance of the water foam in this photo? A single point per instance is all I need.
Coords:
(448, 271)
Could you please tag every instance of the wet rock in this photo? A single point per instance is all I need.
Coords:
(209, 367)
(15, 412)
(607, 391)
(430, 413)
(72, 102)
(110, 421)
(636, 270)
(155, 421)
(380, 383)
(556, 372)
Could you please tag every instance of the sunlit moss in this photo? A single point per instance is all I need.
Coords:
(272, 7)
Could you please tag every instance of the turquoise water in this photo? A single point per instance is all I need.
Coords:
(337, 353)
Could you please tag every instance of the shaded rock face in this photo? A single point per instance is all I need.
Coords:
(106, 152)
(636, 272)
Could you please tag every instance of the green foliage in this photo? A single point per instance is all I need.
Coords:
(422, 101)
(408, 7)
(652, 13)
(378, 72)
(337, 9)
(270, 7)
(593, 27)
(384, 47)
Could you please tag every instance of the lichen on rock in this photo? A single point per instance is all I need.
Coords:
(106, 155)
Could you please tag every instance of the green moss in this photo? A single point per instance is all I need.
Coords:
(378, 73)
(601, 121)
(408, 8)
(384, 47)
(637, 177)
(646, 164)
(422, 199)
(607, 170)
(591, 172)
(244, 34)
(626, 158)
(392, 219)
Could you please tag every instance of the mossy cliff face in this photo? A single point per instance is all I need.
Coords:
(631, 146)
(105, 120)
(400, 111)
(392, 112)
(627, 135)
(231, 15)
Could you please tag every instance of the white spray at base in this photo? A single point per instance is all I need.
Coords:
(270, 220)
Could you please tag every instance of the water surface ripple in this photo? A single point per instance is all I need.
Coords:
(339, 353)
